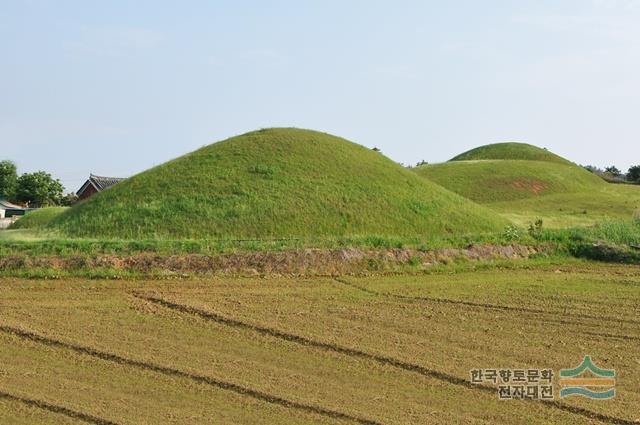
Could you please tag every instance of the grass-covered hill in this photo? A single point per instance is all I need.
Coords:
(510, 150)
(38, 219)
(276, 183)
(523, 183)
(507, 180)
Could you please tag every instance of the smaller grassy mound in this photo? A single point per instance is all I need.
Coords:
(508, 180)
(38, 219)
(524, 183)
(510, 150)
(524, 191)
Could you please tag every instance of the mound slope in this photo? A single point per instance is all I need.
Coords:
(510, 150)
(38, 218)
(507, 180)
(544, 186)
(276, 183)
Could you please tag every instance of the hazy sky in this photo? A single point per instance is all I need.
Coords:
(115, 87)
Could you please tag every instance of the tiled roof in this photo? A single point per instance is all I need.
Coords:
(102, 183)
(6, 205)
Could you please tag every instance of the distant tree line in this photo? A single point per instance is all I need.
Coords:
(614, 174)
(38, 189)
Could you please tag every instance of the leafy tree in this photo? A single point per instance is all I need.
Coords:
(8, 179)
(39, 189)
(69, 199)
(613, 170)
(634, 174)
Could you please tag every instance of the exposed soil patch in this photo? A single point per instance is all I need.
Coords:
(533, 186)
(312, 262)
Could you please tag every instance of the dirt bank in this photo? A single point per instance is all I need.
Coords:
(313, 262)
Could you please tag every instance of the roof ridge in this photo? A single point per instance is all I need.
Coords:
(103, 182)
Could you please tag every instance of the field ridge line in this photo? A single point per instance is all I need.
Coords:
(485, 305)
(74, 414)
(224, 385)
(614, 336)
(390, 361)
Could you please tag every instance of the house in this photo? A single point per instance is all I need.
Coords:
(7, 209)
(96, 184)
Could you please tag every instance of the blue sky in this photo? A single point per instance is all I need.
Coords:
(116, 87)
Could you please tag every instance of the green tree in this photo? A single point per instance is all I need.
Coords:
(634, 174)
(39, 189)
(613, 170)
(8, 179)
(68, 199)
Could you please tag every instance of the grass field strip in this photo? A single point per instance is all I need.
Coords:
(228, 386)
(57, 409)
(388, 361)
(497, 307)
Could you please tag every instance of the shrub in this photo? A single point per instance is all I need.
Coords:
(511, 233)
(535, 229)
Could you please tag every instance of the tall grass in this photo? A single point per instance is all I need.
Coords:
(617, 231)
(39, 218)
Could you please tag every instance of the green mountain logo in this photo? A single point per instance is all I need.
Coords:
(573, 381)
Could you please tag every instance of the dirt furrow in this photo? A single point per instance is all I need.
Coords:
(57, 409)
(250, 392)
(389, 361)
(487, 306)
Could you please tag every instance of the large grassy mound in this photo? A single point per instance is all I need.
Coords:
(510, 150)
(544, 186)
(276, 183)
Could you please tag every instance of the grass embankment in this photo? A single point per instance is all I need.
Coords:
(276, 183)
(560, 193)
(610, 241)
(38, 219)
(392, 350)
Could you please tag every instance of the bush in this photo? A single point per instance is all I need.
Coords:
(511, 233)
(535, 229)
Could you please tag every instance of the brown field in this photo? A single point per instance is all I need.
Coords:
(379, 350)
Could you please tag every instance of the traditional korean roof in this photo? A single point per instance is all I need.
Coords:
(103, 183)
(99, 182)
(6, 205)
